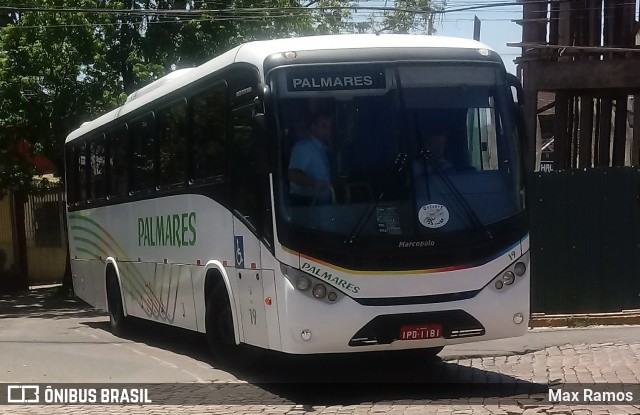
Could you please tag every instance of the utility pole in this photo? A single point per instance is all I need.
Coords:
(476, 28)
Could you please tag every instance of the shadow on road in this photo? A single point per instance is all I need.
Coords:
(274, 378)
(173, 339)
(334, 379)
(44, 303)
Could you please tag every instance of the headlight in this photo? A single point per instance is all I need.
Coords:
(311, 286)
(303, 283)
(520, 268)
(508, 278)
(319, 291)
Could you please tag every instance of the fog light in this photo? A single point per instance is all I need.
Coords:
(520, 268)
(303, 283)
(508, 278)
(332, 296)
(499, 284)
(319, 291)
(518, 318)
(306, 334)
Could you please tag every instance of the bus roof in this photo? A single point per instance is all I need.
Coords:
(256, 52)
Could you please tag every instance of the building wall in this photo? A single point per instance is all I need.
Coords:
(46, 264)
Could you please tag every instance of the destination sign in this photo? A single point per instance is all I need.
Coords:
(335, 80)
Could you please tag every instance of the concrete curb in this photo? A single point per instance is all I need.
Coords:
(583, 320)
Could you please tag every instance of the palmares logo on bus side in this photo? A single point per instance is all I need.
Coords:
(171, 230)
(313, 80)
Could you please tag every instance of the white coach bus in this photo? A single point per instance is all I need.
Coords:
(310, 195)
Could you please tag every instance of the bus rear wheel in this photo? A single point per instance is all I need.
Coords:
(219, 328)
(117, 319)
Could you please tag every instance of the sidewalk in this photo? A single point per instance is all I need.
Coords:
(583, 320)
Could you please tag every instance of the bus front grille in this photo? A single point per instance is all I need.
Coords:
(385, 329)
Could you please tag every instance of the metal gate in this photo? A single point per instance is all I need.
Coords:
(585, 240)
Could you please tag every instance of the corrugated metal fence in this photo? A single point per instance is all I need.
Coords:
(585, 240)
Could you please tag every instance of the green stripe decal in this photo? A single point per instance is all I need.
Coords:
(104, 231)
(97, 238)
(87, 241)
(95, 235)
(89, 253)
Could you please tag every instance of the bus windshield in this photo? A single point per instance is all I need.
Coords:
(410, 152)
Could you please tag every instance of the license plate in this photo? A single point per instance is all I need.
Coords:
(421, 332)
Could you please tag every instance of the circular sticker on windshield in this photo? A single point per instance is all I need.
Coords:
(433, 215)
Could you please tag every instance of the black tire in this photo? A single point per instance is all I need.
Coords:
(117, 319)
(219, 328)
(421, 355)
(432, 352)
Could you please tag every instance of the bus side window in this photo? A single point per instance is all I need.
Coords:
(71, 178)
(118, 153)
(143, 152)
(82, 165)
(209, 133)
(244, 179)
(98, 180)
(172, 137)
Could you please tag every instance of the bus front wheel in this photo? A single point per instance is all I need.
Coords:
(117, 319)
(219, 327)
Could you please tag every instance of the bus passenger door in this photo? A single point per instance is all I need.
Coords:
(246, 200)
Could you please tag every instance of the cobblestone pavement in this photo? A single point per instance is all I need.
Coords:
(513, 384)
(523, 379)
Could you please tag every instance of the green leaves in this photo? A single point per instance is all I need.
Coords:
(59, 68)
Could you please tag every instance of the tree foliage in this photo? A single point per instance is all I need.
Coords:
(59, 69)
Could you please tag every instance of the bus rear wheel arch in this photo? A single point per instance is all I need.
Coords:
(117, 320)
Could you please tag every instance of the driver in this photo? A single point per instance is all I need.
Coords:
(309, 172)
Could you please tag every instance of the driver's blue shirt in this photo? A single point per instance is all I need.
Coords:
(310, 156)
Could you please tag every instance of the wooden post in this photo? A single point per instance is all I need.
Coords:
(596, 132)
(620, 131)
(530, 123)
(635, 144)
(586, 131)
(560, 131)
(604, 143)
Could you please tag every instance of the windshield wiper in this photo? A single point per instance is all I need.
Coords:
(398, 167)
(471, 214)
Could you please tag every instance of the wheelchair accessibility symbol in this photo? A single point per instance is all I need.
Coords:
(239, 250)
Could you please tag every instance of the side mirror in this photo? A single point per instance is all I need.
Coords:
(514, 82)
(263, 98)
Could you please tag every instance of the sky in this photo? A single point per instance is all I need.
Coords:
(497, 28)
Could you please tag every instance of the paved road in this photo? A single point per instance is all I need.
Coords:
(45, 341)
